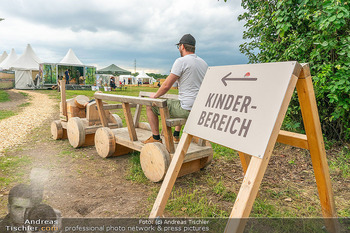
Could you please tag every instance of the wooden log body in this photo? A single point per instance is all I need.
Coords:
(73, 110)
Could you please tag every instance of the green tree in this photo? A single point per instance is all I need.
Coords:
(157, 76)
(308, 31)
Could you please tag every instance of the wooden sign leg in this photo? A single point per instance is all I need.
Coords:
(171, 176)
(245, 160)
(316, 146)
(247, 193)
(256, 170)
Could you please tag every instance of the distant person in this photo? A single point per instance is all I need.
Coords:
(112, 83)
(19, 200)
(37, 79)
(189, 71)
(66, 75)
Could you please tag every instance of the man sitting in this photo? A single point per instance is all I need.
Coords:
(188, 71)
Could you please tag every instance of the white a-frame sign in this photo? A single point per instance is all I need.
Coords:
(242, 107)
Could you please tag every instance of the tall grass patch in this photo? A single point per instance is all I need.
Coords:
(4, 96)
(193, 203)
(11, 169)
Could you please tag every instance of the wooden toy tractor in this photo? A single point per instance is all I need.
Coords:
(155, 157)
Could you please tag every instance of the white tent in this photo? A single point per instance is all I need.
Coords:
(71, 59)
(127, 79)
(144, 78)
(3, 56)
(9, 60)
(23, 68)
(27, 61)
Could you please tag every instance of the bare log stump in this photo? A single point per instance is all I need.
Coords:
(81, 101)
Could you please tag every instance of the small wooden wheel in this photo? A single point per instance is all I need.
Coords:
(56, 130)
(81, 100)
(76, 132)
(118, 120)
(105, 142)
(155, 160)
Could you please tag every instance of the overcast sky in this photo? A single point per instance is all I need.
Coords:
(102, 32)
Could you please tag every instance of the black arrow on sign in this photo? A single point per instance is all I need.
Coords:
(224, 79)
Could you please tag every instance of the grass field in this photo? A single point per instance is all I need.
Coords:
(288, 188)
(4, 96)
(265, 205)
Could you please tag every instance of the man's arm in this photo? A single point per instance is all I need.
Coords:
(168, 83)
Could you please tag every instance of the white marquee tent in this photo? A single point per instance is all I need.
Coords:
(23, 67)
(127, 79)
(71, 59)
(9, 60)
(3, 56)
(144, 78)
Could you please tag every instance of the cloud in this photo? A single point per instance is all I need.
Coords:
(102, 32)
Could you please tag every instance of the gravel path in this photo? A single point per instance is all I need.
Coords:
(14, 130)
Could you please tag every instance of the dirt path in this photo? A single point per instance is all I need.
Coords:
(16, 99)
(80, 183)
(14, 130)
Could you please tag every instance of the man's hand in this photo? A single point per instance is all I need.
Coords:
(152, 95)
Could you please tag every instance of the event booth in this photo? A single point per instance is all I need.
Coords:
(80, 76)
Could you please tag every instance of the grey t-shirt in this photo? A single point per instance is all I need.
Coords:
(191, 70)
